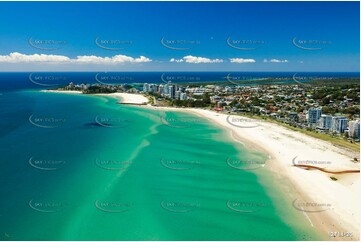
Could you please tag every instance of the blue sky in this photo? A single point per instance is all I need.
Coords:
(262, 36)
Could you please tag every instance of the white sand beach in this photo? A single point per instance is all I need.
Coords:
(313, 186)
(286, 147)
(124, 98)
(128, 98)
(59, 91)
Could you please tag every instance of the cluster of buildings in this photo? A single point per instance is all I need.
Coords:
(297, 105)
(292, 104)
(73, 86)
(168, 90)
(105, 87)
(338, 124)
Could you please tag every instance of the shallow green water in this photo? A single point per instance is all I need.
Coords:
(84, 168)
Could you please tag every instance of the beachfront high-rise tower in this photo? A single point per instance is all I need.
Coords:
(314, 115)
(339, 124)
(354, 129)
(325, 122)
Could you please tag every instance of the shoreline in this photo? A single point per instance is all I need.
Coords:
(283, 146)
(127, 98)
(123, 98)
(58, 91)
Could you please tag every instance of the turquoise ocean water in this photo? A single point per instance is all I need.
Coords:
(77, 167)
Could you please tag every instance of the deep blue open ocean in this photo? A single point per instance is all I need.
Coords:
(41, 80)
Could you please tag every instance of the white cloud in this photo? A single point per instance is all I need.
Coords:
(176, 60)
(16, 57)
(110, 60)
(275, 61)
(196, 60)
(241, 60)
